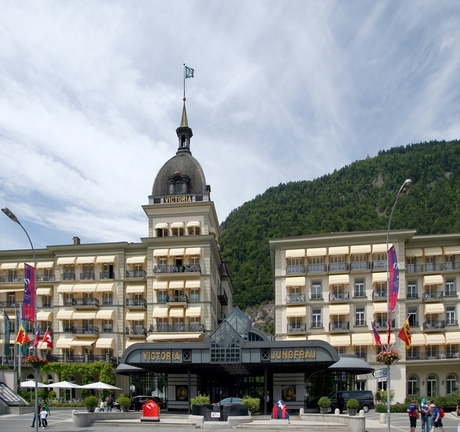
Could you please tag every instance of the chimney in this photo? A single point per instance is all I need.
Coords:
(76, 240)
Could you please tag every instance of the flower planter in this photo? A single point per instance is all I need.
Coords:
(90, 408)
(352, 411)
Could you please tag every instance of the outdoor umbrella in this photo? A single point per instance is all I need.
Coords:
(64, 385)
(31, 384)
(99, 386)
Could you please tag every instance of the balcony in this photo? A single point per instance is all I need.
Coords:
(432, 267)
(131, 274)
(89, 275)
(10, 305)
(136, 303)
(433, 296)
(68, 276)
(177, 299)
(136, 331)
(338, 267)
(295, 299)
(296, 328)
(83, 330)
(106, 274)
(379, 264)
(16, 277)
(295, 269)
(168, 328)
(360, 265)
(317, 268)
(379, 295)
(434, 325)
(191, 268)
(339, 326)
(383, 324)
(339, 297)
(222, 296)
(86, 358)
(45, 277)
(85, 303)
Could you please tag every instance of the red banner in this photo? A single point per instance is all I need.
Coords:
(28, 307)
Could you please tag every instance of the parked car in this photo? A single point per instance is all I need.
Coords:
(230, 401)
(138, 401)
(364, 397)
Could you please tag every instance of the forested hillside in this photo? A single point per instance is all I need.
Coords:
(355, 198)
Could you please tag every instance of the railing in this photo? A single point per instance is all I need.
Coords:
(338, 297)
(384, 324)
(174, 328)
(359, 294)
(106, 274)
(316, 324)
(136, 302)
(84, 301)
(177, 299)
(295, 269)
(412, 296)
(68, 276)
(18, 277)
(360, 322)
(379, 295)
(434, 325)
(295, 299)
(379, 264)
(451, 321)
(433, 295)
(338, 267)
(190, 268)
(339, 326)
(450, 293)
(87, 275)
(9, 304)
(136, 331)
(93, 330)
(296, 328)
(86, 358)
(45, 278)
(360, 265)
(136, 273)
(431, 267)
(316, 268)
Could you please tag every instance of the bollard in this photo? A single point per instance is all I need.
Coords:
(361, 413)
(383, 418)
(337, 411)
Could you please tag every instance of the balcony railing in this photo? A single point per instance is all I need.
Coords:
(45, 277)
(17, 277)
(136, 331)
(68, 276)
(379, 264)
(136, 273)
(177, 299)
(451, 321)
(9, 305)
(433, 295)
(84, 301)
(295, 269)
(360, 323)
(171, 328)
(89, 275)
(360, 265)
(106, 274)
(339, 326)
(137, 302)
(338, 267)
(295, 299)
(432, 267)
(316, 324)
(86, 358)
(316, 268)
(379, 295)
(384, 324)
(92, 330)
(190, 268)
(339, 297)
(296, 328)
(434, 325)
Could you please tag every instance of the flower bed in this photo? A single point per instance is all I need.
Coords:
(388, 357)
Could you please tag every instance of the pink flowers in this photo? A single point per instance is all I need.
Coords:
(35, 361)
(388, 357)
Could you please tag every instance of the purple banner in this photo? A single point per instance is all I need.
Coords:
(393, 278)
(28, 307)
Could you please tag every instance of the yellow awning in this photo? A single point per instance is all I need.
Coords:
(315, 252)
(160, 312)
(339, 309)
(105, 343)
(173, 336)
(10, 316)
(360, 249)
(296, 337)
(105, 314)
(381, 307)
(433, 251)
(136, 260)
(452, 250)
(453, 338)
(78, 315)
(295, 253)
(338, 250)
(135, 316)
(105, 259)
(194, 224)
(135, 289)
(86, 259)
(9, 290)
(341, 279)
(193, 284)
(161, 225)
(296, 311)
(433, 280)
(298, 281)
(62, 289)
(82, 342)
(45, 264)
(177, 312)
(176, 284)
(414, 253)
(130, 342)
(362, 339)
(435, 339)
(193, 312)
(105, 287)
(63, 343)
(379, 277)
(160, 285)
(44, 291)
(84, 288)
(177, 225)
(339, 340)
(418, 339)
(176, 252)
(9, 266)
(64, 314)
(434, 308)
(380, 248)
(193, 251)
(323, 338)
(160, 252)
(65, 260)
(21, 265)
(44, 316)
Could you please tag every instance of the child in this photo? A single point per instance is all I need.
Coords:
(43, 416)
(101, 406)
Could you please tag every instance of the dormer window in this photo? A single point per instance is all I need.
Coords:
(179, 184)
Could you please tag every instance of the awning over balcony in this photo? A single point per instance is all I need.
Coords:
(21, 265)
(135, 289)
(381, 248)
(44, 316)
(136, 260)
(9, 266)
(135, 316)
(435, 339)
(79, 315)
(418, 339)
(45, 264)
(362, 339)
(82, 342)
(194, 224)
(106, 259)
(64, 343)
(9, 290)
(105, 343)
(339, 309)
(379, 277)
(315, 252)
(323, 338)
(130, 342)
(452, 250)
(453, 338)
(339, 340)
(105, 314)
(160, 285)
(295, 253)
(298, 281)
(173, 336)
(66, 260)
(176, 284)
(161, 225)
(84, 288)
(176, 225)
(177, 312)
(44, 291)
(160, 312)
(193, 284)
(433, 251)
(433, 280)
(63, 289)
(64, 314)
(160, 252)
(340, 279)
(413, 253)
(176, 252)
(86, 260)
(381, 307)
(434, 308)
(296, 311)
(338, 250)
(105, 287)
(193, 312)
(360, 249)
(193, 251)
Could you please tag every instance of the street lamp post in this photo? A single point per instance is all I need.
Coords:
(402, 191)
(13, 217)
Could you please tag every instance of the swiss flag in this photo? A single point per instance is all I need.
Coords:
(47, 338)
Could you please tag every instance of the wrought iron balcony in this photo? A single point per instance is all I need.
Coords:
(83, 330)
(379, 264)
(68, 276)
(88, 275)
(190, 268)
(136, 302)
(435, 325)
(106, 274)
(296, 328)
(136, 331)
(85, 302)
(177, 299)
(379, 295)
(339, 326)
(295, 269)
(433, 296)
(174, 328)
(382, 323)
(338, 267)
(316, 268)
(339, 297)
(136, 273)
(360, 265)
(45, 277)
(295, 299)
(316, 324)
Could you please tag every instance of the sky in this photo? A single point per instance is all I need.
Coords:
(287, 90)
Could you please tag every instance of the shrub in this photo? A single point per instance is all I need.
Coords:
(253, 404)
(124, 401)
(200, 400)
(91, 401)
(324, 402)
(352, 404)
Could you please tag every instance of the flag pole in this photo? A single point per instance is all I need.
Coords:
(20, 349)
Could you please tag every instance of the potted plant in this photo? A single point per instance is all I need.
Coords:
(200, 404)
(253, 404)
(125, 403)
(91, 403)
(352, 406)
(324, 404)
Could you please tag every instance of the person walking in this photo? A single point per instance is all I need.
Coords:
(412, 411)
(424, 409)
(429, 416)
(37, 416)
(437, 418)
(101, 406)
(340, 402)
(110, 403)
(43, 418)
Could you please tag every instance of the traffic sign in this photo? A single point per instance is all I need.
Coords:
(379, 373)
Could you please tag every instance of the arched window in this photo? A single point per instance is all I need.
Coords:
(451, 384)
(30, 377)
(412, 386)
(431, 386)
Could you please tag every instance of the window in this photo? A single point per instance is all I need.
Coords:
(341, 350)
(338, 293)
(431, 352)
(294, 295)
(108, 326)
(412, 353)
(359, 262)
(450, 315)
(412, 386)
(451, 384)
(69, 272)
(450, 288)
(359, 288)
(337, 263)
(108, 298)
(46, 301)
(429, 263)
(177, 231)
(360, 318)
(88, 271)
(67, 299)
(413, 318)
(449, 264)
(431, 386)
(410, 265)
(380, 290)
(162, 232)
(316, 291)
(194, 260)
(412, 290)
(295, 265)
(315, 264)
(452, 351)
(194, 295)
(193, 230)
(296, 324)
(162, 296)
(316, 318)
(361, 352)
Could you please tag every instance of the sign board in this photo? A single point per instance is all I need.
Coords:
(382, 379)
(380, 373)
